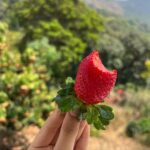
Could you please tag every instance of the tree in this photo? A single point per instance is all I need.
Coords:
(124, 47)
(70, 26)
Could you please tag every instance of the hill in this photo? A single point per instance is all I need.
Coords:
(137, 9)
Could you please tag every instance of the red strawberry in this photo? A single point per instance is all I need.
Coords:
(93, 81)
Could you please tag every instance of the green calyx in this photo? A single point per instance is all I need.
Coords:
(98, 115)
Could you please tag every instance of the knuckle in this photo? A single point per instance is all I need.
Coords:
(68, 129)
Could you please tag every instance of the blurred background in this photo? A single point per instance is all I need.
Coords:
(43, 41)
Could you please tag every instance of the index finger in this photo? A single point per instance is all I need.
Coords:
(68, 133)
(49, 130)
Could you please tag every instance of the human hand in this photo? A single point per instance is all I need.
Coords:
(62, 132)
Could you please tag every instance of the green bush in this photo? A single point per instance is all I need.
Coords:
(26, 84)
(139, 128)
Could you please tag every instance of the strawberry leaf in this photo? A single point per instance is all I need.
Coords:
(99, 125)
(105, 112)
(104, 121)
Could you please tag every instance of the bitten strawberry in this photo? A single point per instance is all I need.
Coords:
(93, 81)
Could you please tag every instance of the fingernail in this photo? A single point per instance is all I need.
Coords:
(74, 113)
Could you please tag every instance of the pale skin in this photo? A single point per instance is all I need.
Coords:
(62, 132)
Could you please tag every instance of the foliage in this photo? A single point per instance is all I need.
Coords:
(3, 30)
(66, 26)
(140, 127)
(122, 44)
(124, 47)
(25, 84)
(3, 7)
(146, 74)
(139, 100)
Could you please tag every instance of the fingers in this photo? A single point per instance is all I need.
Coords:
(83, 140)
(81, 128)
(49, 130)
(68, 133)
(55, 137)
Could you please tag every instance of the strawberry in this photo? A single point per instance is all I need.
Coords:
(93, 81)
